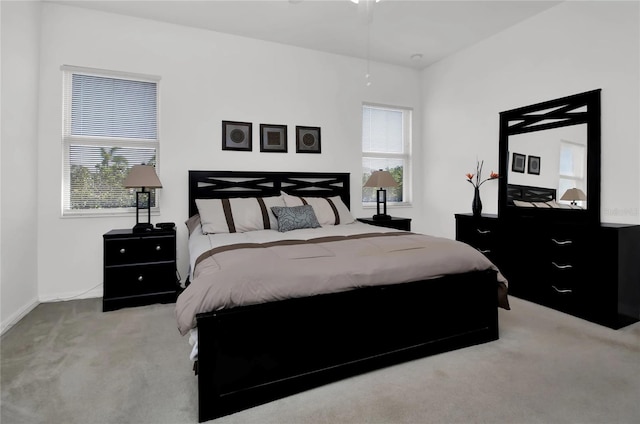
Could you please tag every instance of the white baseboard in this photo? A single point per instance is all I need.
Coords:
(18, 315)
(62, 297)
(22, 312)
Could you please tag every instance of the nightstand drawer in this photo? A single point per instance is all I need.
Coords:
(123, 281)
(123, 251)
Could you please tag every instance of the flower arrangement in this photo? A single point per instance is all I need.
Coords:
(479, 181)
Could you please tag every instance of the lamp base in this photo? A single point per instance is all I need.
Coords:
(381, 217)
(142, 227)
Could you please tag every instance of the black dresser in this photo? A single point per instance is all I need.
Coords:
(139, 268)
(592, 272)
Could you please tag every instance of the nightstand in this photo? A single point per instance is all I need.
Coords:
(480, 232)
(397, 223)
(139, 268)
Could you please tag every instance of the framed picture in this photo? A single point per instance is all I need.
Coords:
(273, 138)
(517, 163)
(236, 135)
(307, 139)
(533, 167)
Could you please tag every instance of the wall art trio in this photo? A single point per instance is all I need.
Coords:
(273, 138)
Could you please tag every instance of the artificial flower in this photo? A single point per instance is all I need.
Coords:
(479, 181)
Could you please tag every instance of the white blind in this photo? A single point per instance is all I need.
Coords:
(110, 125)
(111, 107)
(382, 130)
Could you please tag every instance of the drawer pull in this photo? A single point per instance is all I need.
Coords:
(140, 278)
(485, 251)
(122, 250)
(483, 231)
(158, 247)
(563, 291)
(562, 266)
(562, 242)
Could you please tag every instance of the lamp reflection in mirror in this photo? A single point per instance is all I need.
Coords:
(574, 194)
(142, 176)
(381, 179)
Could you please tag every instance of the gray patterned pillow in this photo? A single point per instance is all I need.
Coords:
(295, 217)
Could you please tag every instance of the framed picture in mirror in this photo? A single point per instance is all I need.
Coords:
(533, 167)
(517, 162)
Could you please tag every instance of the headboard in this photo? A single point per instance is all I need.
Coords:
(529, 193)
(230, 184)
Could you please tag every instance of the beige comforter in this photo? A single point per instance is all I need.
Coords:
(250, 273)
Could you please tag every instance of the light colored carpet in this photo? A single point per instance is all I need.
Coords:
(70, 363)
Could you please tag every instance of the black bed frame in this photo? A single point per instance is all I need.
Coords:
(529, 193)
(254, 354)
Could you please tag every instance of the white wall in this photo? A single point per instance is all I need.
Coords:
(568, 49)
(18, 231)
(207, 77)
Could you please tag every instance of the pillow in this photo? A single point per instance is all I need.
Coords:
(523, 204)
(540, 205)
(328, 210)
(193, 223)
(295, 217)
(238, 215)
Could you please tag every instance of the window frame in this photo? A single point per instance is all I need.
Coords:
(578, 181)
(69, 140)
(405, 155)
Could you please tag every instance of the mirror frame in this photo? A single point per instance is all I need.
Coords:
(547, 115)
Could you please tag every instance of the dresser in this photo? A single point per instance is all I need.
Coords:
(139, 268)
(592, 272)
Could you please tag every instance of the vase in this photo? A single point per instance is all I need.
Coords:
(476, 206)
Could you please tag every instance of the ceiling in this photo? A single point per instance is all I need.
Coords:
(389, 31)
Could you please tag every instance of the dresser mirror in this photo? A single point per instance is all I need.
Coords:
(550, 160)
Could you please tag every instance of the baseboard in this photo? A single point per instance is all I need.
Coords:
(62, 297)
(18, 315)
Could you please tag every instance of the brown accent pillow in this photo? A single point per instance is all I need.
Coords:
(193, 223)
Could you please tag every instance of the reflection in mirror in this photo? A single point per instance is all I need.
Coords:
(550, 158)
(554, 159)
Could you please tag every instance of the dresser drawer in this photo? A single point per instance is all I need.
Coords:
(122, 251)
(123, 281)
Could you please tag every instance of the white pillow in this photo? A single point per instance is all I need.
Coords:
(328, 210)
(523, 204)
(238, 215)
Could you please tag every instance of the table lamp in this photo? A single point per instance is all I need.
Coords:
(574, 194)
(142, 176)
(381, 179)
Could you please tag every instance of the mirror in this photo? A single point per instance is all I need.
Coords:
(550, 159)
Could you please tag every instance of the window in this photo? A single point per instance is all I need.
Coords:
(572, 165)
(110, 124)
(386, 144)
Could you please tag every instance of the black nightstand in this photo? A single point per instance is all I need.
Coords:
(480, 232)
(139, 268)
(397, 223)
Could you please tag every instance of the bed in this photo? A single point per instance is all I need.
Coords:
(296, 329)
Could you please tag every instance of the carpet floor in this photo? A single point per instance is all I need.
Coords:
(68, 362)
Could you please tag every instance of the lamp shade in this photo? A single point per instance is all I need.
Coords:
(142, 176)
(574, 194)
(381, 179)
